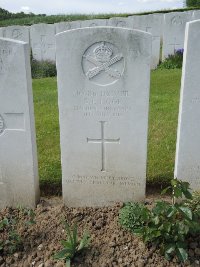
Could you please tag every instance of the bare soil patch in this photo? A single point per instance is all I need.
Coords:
(110, 244)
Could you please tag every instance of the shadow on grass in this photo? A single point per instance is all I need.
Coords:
(51, 189)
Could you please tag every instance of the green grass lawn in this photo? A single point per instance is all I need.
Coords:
(163, 120)
(164, 99)
(47, 129)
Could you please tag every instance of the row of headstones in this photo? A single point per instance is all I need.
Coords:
(168, 29)
(103, 114)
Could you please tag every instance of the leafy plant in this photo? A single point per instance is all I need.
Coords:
(194, 203)
(72, 246)
(168, 225)
(173, 61)
(30, 214)
(11, 241)
(133, 216)
(178, 189)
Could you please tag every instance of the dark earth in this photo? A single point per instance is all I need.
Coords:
(110, 244)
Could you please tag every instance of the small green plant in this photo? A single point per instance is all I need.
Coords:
(30, 214)
(173, 61)
(133, 216)
(3, 224)
(194, 203)
(12, 240)
(168, 225)
(72, 246)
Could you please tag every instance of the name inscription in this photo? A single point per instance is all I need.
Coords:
(104, 180)
(103, 103)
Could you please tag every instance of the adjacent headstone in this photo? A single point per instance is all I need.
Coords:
(67, 25)
(120, 22)
(18, 156)
(93, 23)
(103, 106)
(153, 24)
(155, 57)
(187, 165)
(17, 32)
(1, 32)
(174, 31)
(196, 14)
(43, 41)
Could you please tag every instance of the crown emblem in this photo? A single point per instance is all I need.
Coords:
(103, 53)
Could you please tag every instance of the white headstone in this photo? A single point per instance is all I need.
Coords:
(174, 31)
(196, 15)
(43, 41)
(18, 155)
(120, 22)
(1, 32)
(152, 24)
(155, 57)
(93, 23)
(20, 33)
(103, 105)
(67, 25)
(187, 165)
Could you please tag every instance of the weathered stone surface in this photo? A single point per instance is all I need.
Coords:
(103, 105)
(153, 24)
(174, 31)
(43, 41)
(93, 23)
(155, 57)
(67, 25)
(18, 156)
(187, 166)
(1, 32)
(16, 32)
(120, 22)
(196, 15)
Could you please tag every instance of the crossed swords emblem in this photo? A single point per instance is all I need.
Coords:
(103, 66)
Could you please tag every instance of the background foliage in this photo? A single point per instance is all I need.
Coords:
(193, 3)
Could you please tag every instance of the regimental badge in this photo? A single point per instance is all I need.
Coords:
(102, 63)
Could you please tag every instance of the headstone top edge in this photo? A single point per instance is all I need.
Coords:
(90, 20)
(177, 13)
(104, 27)
(193, 22)
(43, 24)
(13, 41)
(17, 25)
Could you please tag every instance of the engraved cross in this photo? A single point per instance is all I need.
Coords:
(103, 141)
(148, 29)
